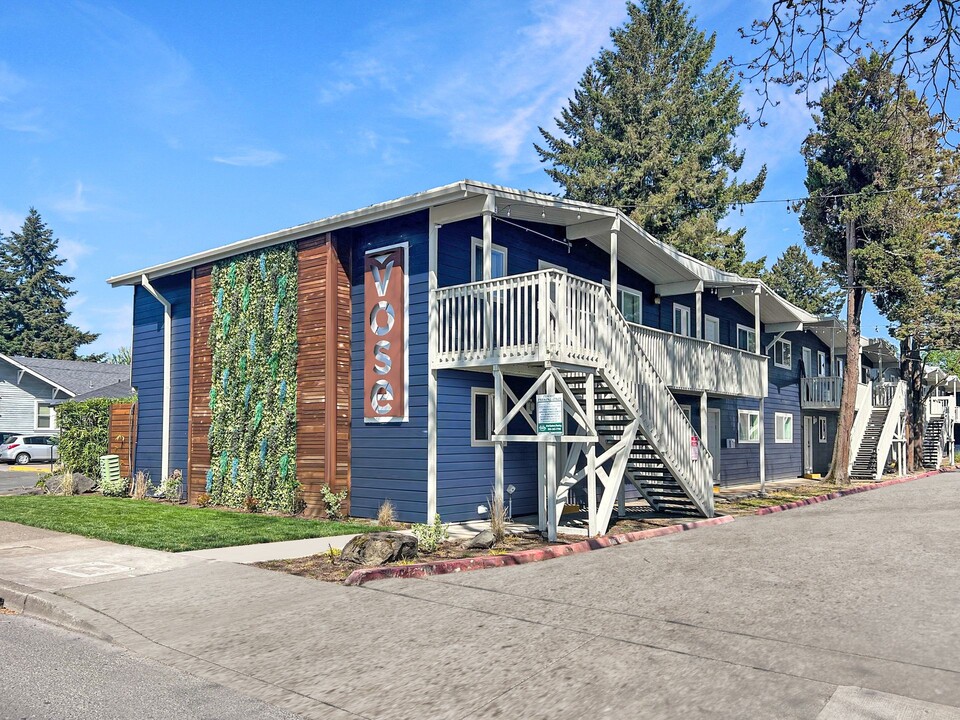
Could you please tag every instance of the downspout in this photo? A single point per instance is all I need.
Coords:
(167, 340)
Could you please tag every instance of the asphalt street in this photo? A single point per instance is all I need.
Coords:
(847, 609)
(16, 479)
(51, 674)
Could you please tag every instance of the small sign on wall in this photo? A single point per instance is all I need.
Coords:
(550, 414)
(694, 448)
(731, 443)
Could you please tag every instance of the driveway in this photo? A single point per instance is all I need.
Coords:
(842, 610)
(15, 479)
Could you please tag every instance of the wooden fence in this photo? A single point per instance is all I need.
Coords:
(123, 434)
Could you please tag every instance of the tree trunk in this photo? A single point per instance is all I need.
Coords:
(911, 372)
(840, 468)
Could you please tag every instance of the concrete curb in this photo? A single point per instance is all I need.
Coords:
(841, 493)
(52, 608)
(443, 567)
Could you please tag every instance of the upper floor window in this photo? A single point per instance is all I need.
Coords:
(681, 320)
(498, 261)
(711, 328)
(631, 305)
(783, 354)
(746, 338)
(821, 363)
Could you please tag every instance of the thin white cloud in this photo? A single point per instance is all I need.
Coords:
(76, 203)
(500, 104)
(114, 323)
(356, 71)
(10, 83)
(72, 251)
(250, 157)
(10, 220)
(15, 115)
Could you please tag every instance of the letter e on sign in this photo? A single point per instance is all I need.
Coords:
(384, 336)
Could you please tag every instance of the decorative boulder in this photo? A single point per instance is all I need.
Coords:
(379, 548)
(483, 540)
(81, 484)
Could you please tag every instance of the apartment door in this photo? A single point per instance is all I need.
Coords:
(807, 445)
(713, 440)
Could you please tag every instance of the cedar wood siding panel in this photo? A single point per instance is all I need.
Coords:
(147, 373)
(389, 460)
(323, 376)
(202, 367)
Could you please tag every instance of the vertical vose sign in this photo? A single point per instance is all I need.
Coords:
(385, 334)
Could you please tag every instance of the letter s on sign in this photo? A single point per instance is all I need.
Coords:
(381, 361)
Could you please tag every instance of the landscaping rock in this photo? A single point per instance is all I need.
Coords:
(483, 540)
(379, 548)
(81, 484)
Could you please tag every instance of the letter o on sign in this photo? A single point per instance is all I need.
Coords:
(377, 313)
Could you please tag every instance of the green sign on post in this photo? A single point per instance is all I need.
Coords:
(550, 414)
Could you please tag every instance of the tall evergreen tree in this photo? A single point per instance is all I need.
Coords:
(880, 206)
(650, 129)
(34, 295)
(808, 286)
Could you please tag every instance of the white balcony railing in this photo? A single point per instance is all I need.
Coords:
(821, 393)
(505, 321)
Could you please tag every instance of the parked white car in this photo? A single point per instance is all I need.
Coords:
(23, 449)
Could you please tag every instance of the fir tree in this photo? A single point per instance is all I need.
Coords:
(795, 277)
(34, 293)
(650, 130)
(882, 209)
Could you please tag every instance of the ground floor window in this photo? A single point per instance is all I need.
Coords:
(481, 422)
(822, 429)
(46, 417)
(748, 426)
(783, 428)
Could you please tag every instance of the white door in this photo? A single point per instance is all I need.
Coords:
(711, 329)
(713, 440)
(808, 369)
(807, 445)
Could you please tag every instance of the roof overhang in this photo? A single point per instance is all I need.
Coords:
(34, 373)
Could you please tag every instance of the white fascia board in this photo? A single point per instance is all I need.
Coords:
(603, 226)
(783, 327)
(25, 369)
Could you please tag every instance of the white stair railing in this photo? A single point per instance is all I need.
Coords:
(861, 419)
(890, 424)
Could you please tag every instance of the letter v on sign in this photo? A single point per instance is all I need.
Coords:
(381, 274)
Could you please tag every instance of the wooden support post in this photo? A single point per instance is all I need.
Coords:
(591, 460)
(541, 487)
(756, 318)
(704, 435)
(699, 322)
(551, 479)
(622, 498)
(498, 418)
(613, 264)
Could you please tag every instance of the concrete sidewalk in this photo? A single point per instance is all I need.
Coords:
(845, 609)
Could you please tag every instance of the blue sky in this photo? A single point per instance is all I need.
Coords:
(146, 131)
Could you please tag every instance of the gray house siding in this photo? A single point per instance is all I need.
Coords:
(18, 401)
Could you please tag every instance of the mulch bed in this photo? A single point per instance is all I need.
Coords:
(329, 567)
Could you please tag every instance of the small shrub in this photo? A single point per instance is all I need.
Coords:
(251, 504)
(141, 485)
(333, 501)
(333, 553)
(498, 517)
(429, 537)
(385, 515)
(203, 499)
(114, 488)
(170, 488)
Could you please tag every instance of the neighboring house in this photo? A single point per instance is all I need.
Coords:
(30, 388)
(429, 326)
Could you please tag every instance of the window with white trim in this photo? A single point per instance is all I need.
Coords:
(481, 417)
(46, 417)
(807, 357)
(822, 429)
(687, 410)
(746, 338)
(821, 363)
(748, 426)
(711, 328)
(783, 427)
(783, 354)
(631, 305)
(498, 261)
(681, 320)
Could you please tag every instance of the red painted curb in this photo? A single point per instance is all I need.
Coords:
(442, 567)
(841, 493)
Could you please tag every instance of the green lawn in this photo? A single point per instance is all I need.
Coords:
(150, 524)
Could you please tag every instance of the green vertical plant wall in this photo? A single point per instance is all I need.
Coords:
(253, 393)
